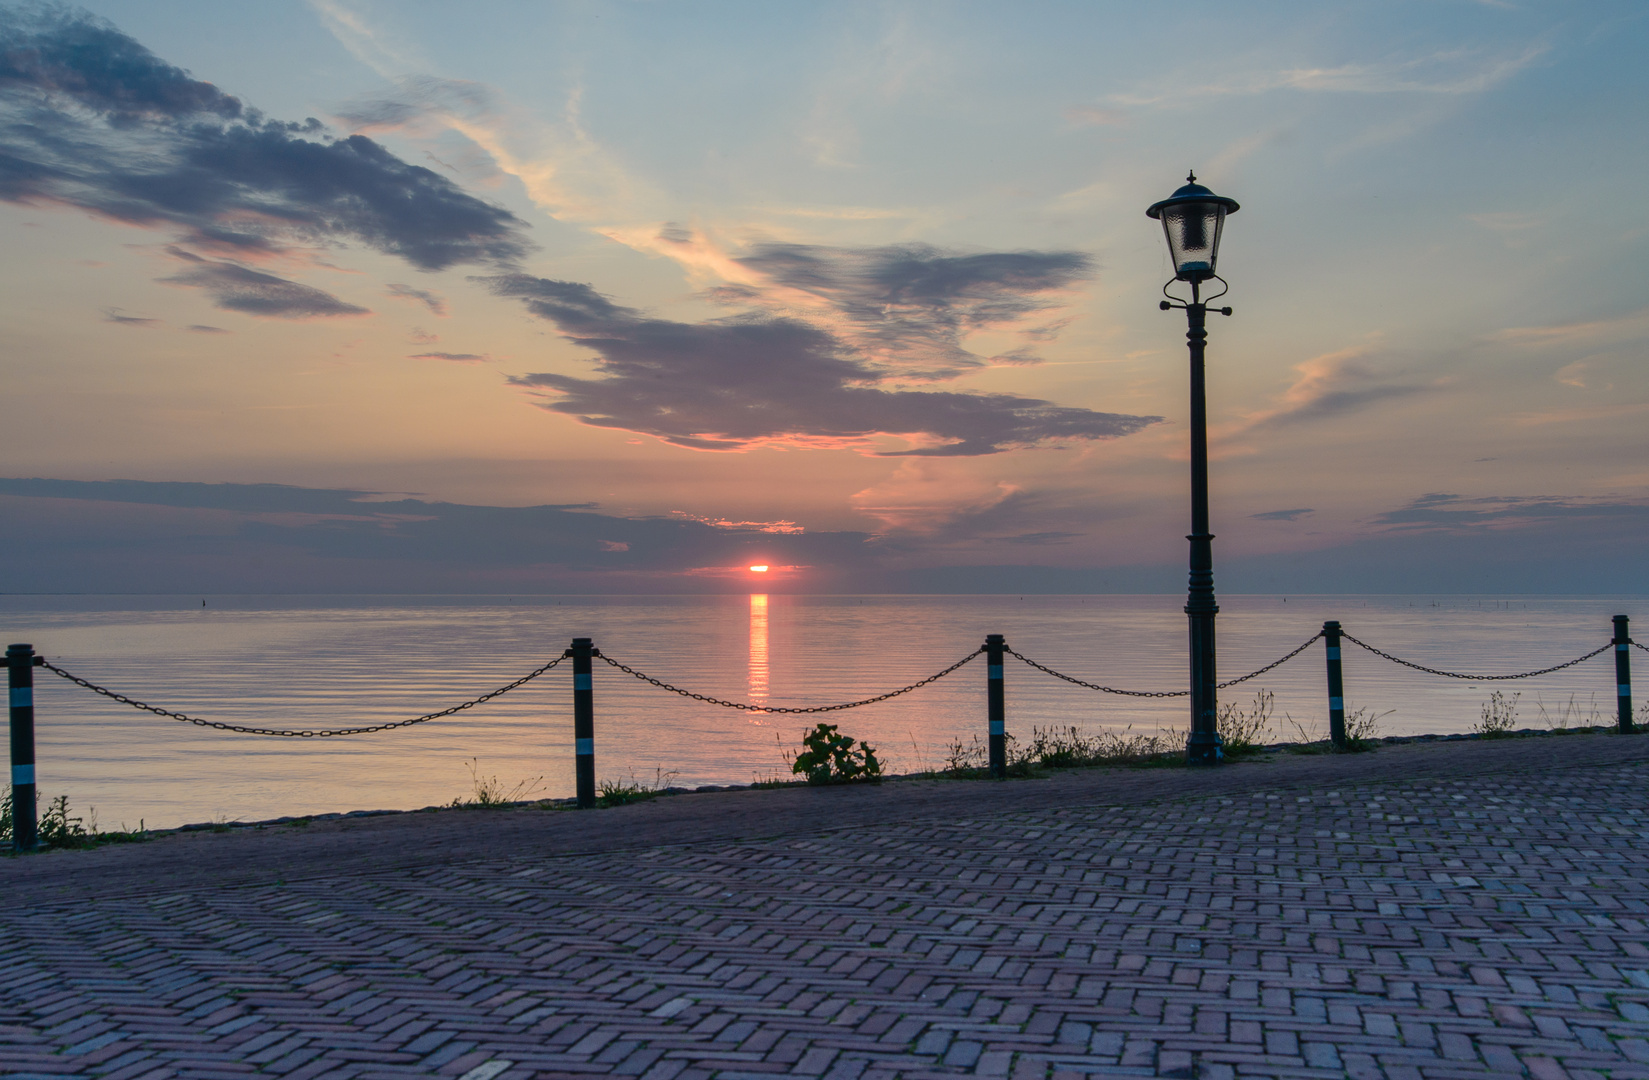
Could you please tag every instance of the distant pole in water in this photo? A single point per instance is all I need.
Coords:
(583, 720)
(25, 832)
(1623, 674)
(996, 704)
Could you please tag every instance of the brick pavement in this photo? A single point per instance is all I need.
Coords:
(1472, 922)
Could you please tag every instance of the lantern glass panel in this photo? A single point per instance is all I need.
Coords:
(1193, 231)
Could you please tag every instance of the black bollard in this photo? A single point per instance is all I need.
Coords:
(584, 720)
(25, 828)
(1623, 674)
(1336, 686)
(996, 705)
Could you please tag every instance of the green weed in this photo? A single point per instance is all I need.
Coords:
(1498, 716)
(618, 793)
(58, 828)
(1246, 731)
(829, 757)
(489, 793)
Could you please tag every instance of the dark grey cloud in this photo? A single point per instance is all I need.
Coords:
(729, 383)
(92, 119)
(436, 304)
(1441, 510)
(200, 328)
(912, 305)
(459, 357)
(1282, 515)
(255, 532)
(113, 315)
(236, 288)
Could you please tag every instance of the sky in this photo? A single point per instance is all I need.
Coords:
(361, 296)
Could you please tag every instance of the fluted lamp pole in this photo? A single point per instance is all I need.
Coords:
(1192, 219)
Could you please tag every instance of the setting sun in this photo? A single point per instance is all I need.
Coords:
(759, 569)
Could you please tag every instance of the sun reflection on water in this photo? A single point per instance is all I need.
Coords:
(758, 648)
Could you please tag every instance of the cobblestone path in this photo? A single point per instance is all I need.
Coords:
(1382, 928)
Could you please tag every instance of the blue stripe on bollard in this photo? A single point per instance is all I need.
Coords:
(583, 747)
(1337, 703)
(22, 697)
(1333, 652)
(22, 774)
(583, 682)
(995, 671)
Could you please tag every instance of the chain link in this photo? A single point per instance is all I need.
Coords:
(707, 699)
(217, 725)
(1477, 678)
(1635, 645)
(1165, 693)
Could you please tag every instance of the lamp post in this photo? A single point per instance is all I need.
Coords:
(1192, 219)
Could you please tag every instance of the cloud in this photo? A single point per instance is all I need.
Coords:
(457, 357)
(90, 118)
(909, 305)
(1086, 115)
(342, 539)
(200, 328)
(1283, 515)
(436, 304)
(1446, 73)
(236, 288)
(737, 382)
(758, 526)
(1332, 385)
(1445, 511)
(113, 315)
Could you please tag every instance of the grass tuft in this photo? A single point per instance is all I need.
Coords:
(489, 793)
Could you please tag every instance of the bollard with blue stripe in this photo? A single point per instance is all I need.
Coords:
(584, 719)
(996, 704)
(1336, 685)
(25, 828)
(1623, 674)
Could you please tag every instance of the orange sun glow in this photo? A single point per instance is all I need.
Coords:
(759, 569)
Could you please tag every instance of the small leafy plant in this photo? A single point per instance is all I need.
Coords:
(829, 757)
(1498, 716)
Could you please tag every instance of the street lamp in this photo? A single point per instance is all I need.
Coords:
(1192, 219)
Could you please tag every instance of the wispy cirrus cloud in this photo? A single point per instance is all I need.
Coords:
(1453, 72)
(1333, 385)
(436, 304)
(754, 378)
(92, 119)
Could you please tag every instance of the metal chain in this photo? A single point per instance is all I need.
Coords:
(662, 685)
(1477, 678)
(1164, 693)
(326, 734)
(1304, 645)
(1635, 645)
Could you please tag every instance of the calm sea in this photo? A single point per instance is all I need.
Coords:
(296, 662)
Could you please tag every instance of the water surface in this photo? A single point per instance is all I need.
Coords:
(308, 662)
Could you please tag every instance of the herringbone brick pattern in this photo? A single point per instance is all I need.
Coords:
(1472, 927)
